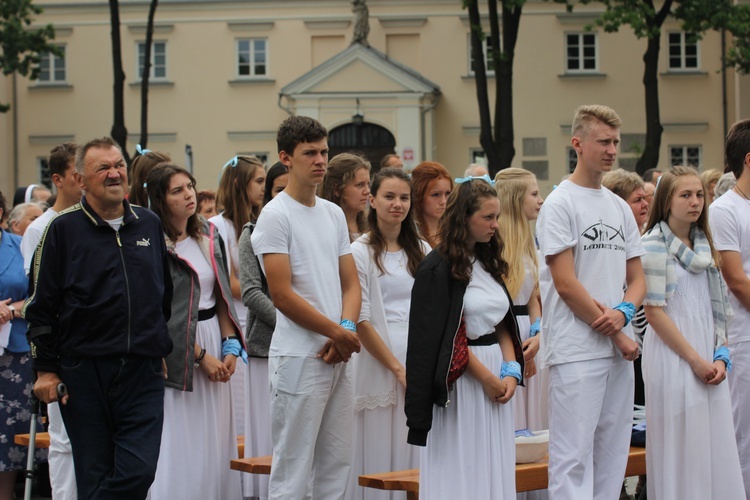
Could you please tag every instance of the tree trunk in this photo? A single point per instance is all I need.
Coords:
(650, 156)
(504, 133)
(491, 151)
(119, 132)
(147, 73)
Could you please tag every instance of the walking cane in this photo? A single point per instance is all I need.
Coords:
(61, 391)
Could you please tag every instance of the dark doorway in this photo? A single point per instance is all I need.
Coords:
(373, 141)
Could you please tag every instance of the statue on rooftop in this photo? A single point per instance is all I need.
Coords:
(361, 22)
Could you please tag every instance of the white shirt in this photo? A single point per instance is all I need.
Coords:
(729, 218)
(314, 238)
(190, 250)
(600, 228)
(485, 303)
(33, 236)
(395, 286)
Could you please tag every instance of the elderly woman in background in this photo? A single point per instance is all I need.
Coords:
(15, 360)
(630, 187)
(726, 182)
(22, 216)
(710, 177)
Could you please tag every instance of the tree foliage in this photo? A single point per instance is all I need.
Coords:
(22, 47)
(696, 17)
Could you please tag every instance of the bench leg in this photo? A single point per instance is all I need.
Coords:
(412, 495)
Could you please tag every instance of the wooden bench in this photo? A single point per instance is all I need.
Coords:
(42, 441)
(529, 477)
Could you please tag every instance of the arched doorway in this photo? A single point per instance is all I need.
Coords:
(373, 141)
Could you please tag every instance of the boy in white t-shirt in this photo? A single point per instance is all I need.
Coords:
(302, 243)
(592, 248)
(729, 218)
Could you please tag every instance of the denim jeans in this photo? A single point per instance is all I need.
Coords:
(114, 419)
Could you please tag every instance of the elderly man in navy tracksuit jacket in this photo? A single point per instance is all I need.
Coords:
(97, 311)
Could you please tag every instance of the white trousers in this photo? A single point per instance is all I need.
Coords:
(739, 388)
(312, 412)
(62, 476)
(591, 417)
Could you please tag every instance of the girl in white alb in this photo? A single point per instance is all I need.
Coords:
(691, 452)
(387, 258)
(240, 194)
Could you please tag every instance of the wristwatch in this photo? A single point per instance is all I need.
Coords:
(12, 311)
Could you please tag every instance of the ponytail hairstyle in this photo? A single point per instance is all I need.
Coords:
(232, 194)
(140, 168)
(512, 185)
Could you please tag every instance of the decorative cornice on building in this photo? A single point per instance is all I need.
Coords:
(155, 137)
(401, 21)
(583, 74)
(47, 140)
(326, 23)
(684, 127)
(258, 135)
(410, 80)
(577, 17)
(683, 74)
(254, 25)
(140, 28)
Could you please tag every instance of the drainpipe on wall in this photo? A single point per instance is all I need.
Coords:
(724, 80)
(15, 131)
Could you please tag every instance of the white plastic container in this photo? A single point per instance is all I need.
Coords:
(533, 448)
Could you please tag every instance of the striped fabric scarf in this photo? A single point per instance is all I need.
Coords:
(663, 248)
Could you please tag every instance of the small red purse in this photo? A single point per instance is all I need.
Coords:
(460, 356)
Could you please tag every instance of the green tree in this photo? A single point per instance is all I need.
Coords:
(696, 17)
(22, 47)
(496, 135)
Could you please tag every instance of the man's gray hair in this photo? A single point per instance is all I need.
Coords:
(102, 142)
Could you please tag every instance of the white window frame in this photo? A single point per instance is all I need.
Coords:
(476, 155)
(53, 63)
(685, 158)
(581, 58)
(251, 63)
(683, 45)
(139, 64)
(45, 177)
(485, 52)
